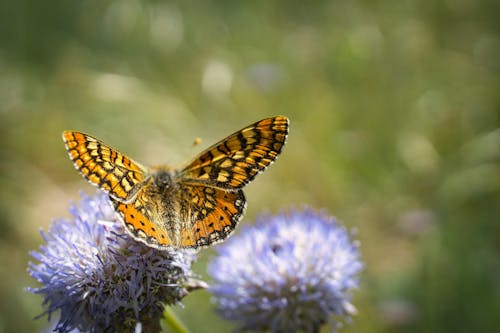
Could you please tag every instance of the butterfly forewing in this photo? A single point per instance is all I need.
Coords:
(235, 161)
(103, 166)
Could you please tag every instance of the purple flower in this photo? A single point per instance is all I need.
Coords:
(287, 273)
(100, 278)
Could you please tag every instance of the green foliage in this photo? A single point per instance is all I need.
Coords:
(394, 109)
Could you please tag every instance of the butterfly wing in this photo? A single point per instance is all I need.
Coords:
(235, 161)
(206, 216)
(140, 222)
(104, 167)
(213, 214)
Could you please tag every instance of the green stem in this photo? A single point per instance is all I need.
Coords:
(172, 323)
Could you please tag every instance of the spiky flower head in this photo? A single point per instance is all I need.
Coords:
(292, 272)
(100, 278)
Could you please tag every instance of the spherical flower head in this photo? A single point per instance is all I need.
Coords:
(99, 277)
(292, 272)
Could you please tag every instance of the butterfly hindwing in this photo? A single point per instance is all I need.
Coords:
(235, 161)
(140, 223)
(103, 166)
(208, 216)
(214, 213)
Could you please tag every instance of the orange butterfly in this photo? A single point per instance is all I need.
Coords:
(193, 207)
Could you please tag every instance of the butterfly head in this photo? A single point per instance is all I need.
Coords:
(163, 179)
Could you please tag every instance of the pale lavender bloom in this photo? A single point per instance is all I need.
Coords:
(287, 273)
(99, 277)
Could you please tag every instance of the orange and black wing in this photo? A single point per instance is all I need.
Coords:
(104, 167)
(213, 214)
(235, 161)
(207, 216)
(141, 223)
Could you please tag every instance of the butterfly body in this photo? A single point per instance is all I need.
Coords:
(195, 206)
(159, 197)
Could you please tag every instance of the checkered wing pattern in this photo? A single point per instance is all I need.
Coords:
(206, 216)
(104, 167)
(214, 214)
(143, 224)
(235, 161)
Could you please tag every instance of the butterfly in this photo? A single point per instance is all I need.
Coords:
(191, 207)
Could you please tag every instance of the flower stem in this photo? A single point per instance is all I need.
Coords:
(150, 326)
(172, 323)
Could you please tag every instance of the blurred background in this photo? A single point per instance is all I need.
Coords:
(395, 114)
